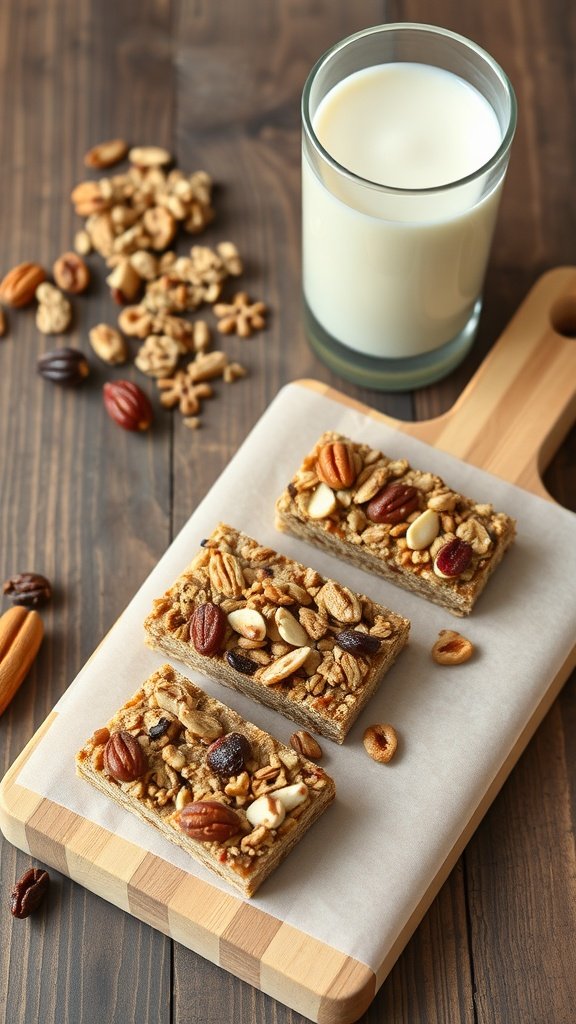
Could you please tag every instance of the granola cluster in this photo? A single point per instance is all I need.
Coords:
(175, 723)
(409, 520)
(310, 640)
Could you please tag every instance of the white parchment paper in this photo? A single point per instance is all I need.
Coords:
(359, 873)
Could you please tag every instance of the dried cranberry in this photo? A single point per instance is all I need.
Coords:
(228, 754)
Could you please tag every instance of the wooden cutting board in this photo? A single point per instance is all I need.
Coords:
(509, 421)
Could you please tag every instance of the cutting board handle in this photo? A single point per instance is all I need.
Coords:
(515, 412)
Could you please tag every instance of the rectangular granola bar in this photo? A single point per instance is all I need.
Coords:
(278, 631)
(232, 796)
(405, 524)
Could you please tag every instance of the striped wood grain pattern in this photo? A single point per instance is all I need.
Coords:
(241, 938)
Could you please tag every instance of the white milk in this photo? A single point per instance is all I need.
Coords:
(391, 274)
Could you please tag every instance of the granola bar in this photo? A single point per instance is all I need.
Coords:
(278, 631)
(405, 524)
(232, 796)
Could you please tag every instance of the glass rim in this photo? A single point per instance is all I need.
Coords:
(408, 27)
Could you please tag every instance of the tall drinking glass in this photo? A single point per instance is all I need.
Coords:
(407, 131)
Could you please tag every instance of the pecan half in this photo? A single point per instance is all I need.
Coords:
(29, 891)
(208, 628)
(124, 758)
(18, 287)
(28, 588)
(393, 504)
(335, 465)
(209, 821)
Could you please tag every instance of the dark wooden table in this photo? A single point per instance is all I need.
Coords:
(94, 507)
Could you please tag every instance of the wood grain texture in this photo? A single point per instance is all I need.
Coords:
(219, 83)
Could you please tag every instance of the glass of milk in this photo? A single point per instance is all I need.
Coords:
(406, 137)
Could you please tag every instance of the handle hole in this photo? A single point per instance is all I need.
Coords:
(563, 316)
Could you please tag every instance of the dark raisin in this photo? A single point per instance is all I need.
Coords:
(292, 490)
(240, 663)
(158, 730)
(228, 754)
(357, 643)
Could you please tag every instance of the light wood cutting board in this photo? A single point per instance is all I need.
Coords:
(509, 420)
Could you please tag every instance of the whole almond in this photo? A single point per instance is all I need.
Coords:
(393, 504)
(335, 465)
(305, 745)
(18, 288)
(124, 758)
(208, 629)
(209, 821)
(105, 154)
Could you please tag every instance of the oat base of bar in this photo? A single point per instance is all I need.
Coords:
(277, 631)
(405, 524)
(236, 799)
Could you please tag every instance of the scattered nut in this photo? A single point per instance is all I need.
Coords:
(29, 589)
(240, 316)
(127, 405)
(71, 273)
(305, 745)
(158, 356)
(451, 648)
(54, 313)
(66, 366)
(28, 892)
(105, 154)
(82, 243)
(108, 344)
(380, 742)
(3, 323)
(18, 287)
(149, 156)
